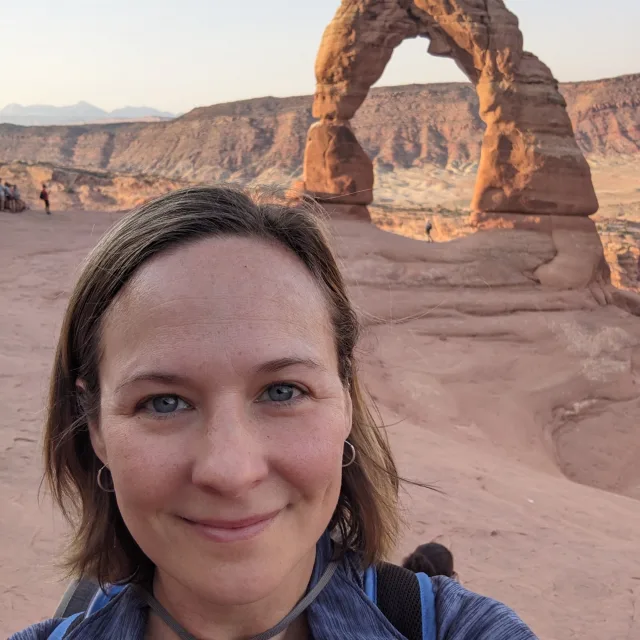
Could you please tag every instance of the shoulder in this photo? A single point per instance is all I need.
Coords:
(123, 616)
(464, 615)
(40, 631)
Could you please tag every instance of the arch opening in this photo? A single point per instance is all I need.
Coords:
(410, 64)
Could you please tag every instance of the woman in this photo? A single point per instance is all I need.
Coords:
(208, 436)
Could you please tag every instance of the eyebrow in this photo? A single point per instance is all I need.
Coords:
(272, 366)
(151, 376)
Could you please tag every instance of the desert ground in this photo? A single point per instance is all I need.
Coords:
(404, 198)
(519, 404)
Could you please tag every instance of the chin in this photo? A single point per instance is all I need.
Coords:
(242, 584)
(242, 571)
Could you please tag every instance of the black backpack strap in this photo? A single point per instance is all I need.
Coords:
(399, 599)
(76, 598)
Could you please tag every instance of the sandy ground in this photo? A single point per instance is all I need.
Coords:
(494, 390)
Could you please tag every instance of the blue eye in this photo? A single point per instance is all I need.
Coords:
(280, 393)
(164, 405)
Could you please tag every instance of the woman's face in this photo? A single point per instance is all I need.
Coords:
(222, 416)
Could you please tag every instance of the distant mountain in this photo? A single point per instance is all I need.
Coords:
(139, 112)
(80, 113)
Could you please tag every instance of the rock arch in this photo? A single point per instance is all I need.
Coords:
(530, 162)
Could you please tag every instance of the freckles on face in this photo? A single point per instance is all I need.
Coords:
(221, 400)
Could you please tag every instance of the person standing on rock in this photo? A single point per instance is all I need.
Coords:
(427, 229)
(44, 195)
(2, 196)
(8, 194)
(18, 202)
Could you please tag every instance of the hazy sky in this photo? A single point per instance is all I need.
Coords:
(177, 54)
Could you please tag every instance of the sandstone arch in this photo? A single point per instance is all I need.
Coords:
(530, 162)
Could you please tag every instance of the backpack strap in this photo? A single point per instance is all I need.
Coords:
(406, 599)
(81, 599)
(398, 594)
(428, 602)
(76, 598)
(61, 630)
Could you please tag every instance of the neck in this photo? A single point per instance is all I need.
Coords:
(208, 620)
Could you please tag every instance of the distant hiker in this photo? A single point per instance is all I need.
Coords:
(432, 558)
(427, 230)
(8, 194)
(44, 195)
(2, 196)
(19, 204)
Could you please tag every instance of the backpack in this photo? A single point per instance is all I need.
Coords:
(405, 598)
(42, 195)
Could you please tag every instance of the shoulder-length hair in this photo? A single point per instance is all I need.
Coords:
(366, 516)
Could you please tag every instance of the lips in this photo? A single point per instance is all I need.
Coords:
(233, 530)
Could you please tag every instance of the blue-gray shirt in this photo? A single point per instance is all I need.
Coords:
(342, 611)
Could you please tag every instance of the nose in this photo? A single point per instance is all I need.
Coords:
(230, 456)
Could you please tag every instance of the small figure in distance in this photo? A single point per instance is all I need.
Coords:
(432, 558)
(44, 195)
(427, 229)
(3, 196)
(8, 194)
(19, 205)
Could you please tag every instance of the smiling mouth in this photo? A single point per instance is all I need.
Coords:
(232, 530)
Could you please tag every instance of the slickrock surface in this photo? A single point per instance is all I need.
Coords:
(502, 394)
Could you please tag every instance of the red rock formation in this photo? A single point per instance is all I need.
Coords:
(530, 162)
(336, 168)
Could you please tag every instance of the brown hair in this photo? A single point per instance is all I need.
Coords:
(432, 558)
(366, 517)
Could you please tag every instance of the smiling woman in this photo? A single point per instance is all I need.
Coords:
(209, 441)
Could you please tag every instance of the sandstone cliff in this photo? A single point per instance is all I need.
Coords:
(399, 127)
(606, 114)
(80, 189)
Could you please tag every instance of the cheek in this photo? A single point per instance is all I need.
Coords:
(145, 467)
(310, 457)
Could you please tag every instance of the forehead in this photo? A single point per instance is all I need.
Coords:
(240, 292)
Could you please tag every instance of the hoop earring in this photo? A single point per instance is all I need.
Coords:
(353, 455)
(99, 480)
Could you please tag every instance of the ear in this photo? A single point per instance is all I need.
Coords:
(95, 433)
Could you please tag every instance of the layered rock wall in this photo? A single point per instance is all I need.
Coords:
(411, 127)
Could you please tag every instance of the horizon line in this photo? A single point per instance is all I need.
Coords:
(284, 97)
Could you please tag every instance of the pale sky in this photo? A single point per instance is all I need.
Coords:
(178, 54)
